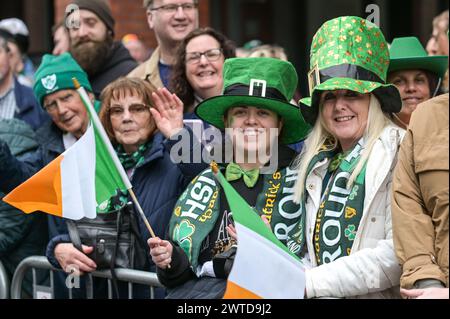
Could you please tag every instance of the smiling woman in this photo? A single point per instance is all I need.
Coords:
(345, 115)
(197, 73)
(416, 75)
(344, 170)
(255, 111)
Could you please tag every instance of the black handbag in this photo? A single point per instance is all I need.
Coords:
(115, 238)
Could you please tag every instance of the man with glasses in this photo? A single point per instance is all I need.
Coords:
(172, 21)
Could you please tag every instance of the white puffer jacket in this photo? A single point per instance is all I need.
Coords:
(372, 269)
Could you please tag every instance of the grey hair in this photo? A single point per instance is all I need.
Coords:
(148, 3)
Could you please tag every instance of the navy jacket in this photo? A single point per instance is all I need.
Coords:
(29, 109)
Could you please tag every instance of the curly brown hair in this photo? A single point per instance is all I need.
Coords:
(118, 89)
(178, 81)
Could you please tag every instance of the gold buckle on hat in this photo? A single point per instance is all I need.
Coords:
(313, 78)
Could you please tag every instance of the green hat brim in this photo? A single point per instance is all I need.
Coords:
(387, 94)
(435, 64)
(294, 129)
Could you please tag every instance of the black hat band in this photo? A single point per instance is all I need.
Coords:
(349, 71)
(257, 91)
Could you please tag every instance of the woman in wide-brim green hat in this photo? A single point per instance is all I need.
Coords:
(344, 170)
(255, 112)
(416, 75)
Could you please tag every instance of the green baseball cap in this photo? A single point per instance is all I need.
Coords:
(349, 53)
(407, 53)
(260, 82)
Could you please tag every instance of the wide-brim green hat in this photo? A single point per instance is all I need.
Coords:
(259, 82)
(407, 53)
(349, 53)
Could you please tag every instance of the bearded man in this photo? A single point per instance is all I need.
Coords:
(91, 34)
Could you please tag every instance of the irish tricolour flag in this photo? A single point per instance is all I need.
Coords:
(263, 266)
(71, 186)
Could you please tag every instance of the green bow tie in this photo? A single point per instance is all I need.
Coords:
(235, 172)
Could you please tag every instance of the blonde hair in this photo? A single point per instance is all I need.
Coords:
(376, 122)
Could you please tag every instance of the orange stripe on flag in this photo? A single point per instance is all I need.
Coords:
(42, 191)
(237, 292)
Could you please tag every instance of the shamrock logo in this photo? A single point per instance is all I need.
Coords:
(354, 192)
(182, 234)
(350, 232)
(49, 82)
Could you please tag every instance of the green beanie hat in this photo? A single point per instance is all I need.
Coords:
(55, 73)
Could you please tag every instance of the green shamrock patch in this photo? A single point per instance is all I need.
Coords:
(350, 232)
(182, 235)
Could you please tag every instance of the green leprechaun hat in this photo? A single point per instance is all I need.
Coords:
(260, 82)
(349, 53)
(407, 53)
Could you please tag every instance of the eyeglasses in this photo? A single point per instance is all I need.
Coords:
(211, 55)
(172, 8)
(134, 109)
(53, 105)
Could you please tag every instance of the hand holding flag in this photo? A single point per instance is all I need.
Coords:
(263, 266)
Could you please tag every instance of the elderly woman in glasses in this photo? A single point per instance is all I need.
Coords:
(144, 153)
(197, 73)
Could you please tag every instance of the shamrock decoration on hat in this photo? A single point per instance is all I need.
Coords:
(349, 53)
(259, 82)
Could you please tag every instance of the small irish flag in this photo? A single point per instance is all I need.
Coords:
(72, 185)
(263, 267)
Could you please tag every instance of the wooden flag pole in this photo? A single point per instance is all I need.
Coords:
(141, 212)
(94, 117)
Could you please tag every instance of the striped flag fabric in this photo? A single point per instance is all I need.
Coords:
(263, 267)
(72, 185)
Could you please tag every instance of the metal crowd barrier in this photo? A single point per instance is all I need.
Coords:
(4, 283)
(130, 276)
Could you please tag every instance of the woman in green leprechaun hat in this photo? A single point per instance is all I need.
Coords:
(255, 112)
(344, 170)
(417, 75)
